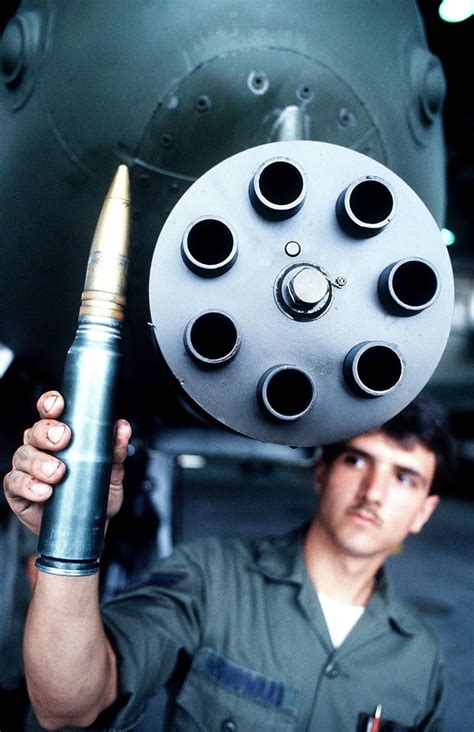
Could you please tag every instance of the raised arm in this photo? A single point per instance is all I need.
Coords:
(69, 663)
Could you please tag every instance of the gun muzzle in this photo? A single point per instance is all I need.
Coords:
(72, 531)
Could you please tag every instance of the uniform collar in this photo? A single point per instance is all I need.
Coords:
(281, 559)
(383, 600)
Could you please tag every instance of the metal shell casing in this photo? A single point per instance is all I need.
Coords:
(356, 362)
(72, 532)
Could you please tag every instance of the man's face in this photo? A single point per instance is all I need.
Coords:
(374, 494)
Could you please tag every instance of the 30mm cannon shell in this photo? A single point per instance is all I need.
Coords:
(72, 530)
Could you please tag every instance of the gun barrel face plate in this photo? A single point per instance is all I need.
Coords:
(294, 291)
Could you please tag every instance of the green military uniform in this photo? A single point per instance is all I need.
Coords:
(235, 629)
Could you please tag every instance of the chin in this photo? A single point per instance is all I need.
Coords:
(363, 549)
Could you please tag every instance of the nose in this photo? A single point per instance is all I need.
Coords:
(374, 485)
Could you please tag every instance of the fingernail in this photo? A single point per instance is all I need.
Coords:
(49, 402)
(39, 489)
(55, 433)
(50, 467)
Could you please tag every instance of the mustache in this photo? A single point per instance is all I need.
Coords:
(367, 508)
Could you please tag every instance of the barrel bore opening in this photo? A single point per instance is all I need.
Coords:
(212, 338)
(288, 393)
(281, 183)
(415, 284)
(210, 242)
(371, 202)
(379, 369)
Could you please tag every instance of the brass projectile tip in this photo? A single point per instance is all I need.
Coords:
(120, 186)
(104, 289)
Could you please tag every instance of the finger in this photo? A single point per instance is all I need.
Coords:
(39, 465)
(50, 405)
(123, 433)
(21, 489)
(116, 475)
(28, 509)
(47, 434)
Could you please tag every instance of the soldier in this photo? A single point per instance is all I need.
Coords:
(293, 632)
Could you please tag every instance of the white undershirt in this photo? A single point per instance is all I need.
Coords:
(340, 617)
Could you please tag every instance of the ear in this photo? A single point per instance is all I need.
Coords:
(427, 508)
(320, 475)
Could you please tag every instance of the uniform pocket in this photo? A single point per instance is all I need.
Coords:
(221, 696)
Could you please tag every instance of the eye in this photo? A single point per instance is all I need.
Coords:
(353, 459)
(407, 479)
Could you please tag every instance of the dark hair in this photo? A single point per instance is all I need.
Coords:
(421, 421)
